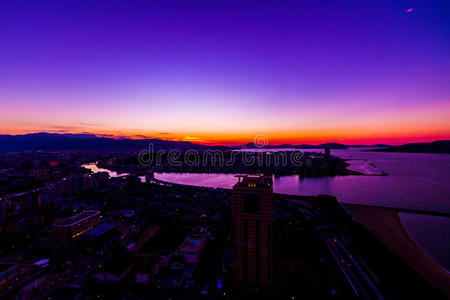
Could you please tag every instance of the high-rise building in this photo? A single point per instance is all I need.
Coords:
(252, 231)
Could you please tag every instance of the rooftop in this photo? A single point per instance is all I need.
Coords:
(100, 229)
(256, 180)
(79, 217)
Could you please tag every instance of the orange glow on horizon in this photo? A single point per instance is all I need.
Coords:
(351, 136)
(421, 122)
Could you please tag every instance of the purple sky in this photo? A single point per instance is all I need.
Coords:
(223, 71)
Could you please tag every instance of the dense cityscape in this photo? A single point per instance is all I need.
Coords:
(224, 149)
(70, 233)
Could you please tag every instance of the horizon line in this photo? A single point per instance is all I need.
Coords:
(223, 143)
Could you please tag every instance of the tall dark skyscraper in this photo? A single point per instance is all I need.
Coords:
(252, 231)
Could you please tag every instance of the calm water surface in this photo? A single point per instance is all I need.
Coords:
(414, 181)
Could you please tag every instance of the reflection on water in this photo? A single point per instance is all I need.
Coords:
(414, 181)
(94, 168)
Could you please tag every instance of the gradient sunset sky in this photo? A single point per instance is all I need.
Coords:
(221, 72)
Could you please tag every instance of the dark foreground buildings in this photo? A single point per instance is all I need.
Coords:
(67, 229)
(252, 231)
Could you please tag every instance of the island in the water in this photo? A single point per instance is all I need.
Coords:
(434, 147)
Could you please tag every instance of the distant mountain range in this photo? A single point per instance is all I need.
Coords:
(88, 142)
(433, 147)
(85, 142)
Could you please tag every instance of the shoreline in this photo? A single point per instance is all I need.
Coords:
(421, 248)
(374, 172)
(385, 223)
(308, 165)
(125, 170)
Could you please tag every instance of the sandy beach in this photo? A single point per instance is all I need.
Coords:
(386, 225)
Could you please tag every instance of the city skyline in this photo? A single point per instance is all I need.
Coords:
(223, 72)
(224, 149)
